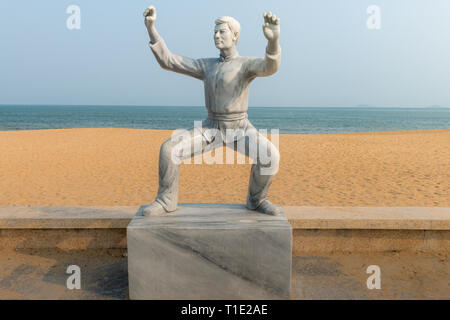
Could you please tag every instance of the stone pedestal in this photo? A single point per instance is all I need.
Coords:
(209, 251)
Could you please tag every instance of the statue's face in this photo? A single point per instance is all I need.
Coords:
(223, 37)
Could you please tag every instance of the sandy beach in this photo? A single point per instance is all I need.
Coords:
(113, 167)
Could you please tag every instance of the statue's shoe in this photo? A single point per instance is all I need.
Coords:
(269, 208)
(153, 210)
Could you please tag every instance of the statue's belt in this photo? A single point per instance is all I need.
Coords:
(227, 116)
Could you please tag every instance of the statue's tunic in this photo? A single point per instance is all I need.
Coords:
(226, 82)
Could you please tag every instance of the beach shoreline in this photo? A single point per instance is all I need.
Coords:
(119, 166)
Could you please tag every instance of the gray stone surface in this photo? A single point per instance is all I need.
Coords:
(66, 217)
(300, 217)
(209, 251)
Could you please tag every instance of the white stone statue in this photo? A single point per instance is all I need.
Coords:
(226, 81)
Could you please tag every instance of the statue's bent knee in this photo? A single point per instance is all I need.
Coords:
(270, 162)
(166, 149)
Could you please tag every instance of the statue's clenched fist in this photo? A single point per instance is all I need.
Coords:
(150, 16)
(271, 26)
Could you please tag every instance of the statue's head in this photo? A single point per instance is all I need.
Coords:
(226, 32)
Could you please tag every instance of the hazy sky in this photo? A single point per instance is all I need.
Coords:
(329, 56)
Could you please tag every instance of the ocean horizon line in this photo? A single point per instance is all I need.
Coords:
(187, 106)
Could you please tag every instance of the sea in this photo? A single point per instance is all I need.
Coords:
(305, 120)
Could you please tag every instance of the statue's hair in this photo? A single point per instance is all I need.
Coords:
(232, 23)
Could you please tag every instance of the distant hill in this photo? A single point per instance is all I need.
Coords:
(437, 106)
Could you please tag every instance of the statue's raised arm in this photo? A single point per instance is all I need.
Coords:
(270, 64)
(166, 59)
(149, 20)
(271, 29)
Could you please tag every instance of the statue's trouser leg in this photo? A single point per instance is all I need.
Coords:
(174, 150)
(266, 158)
